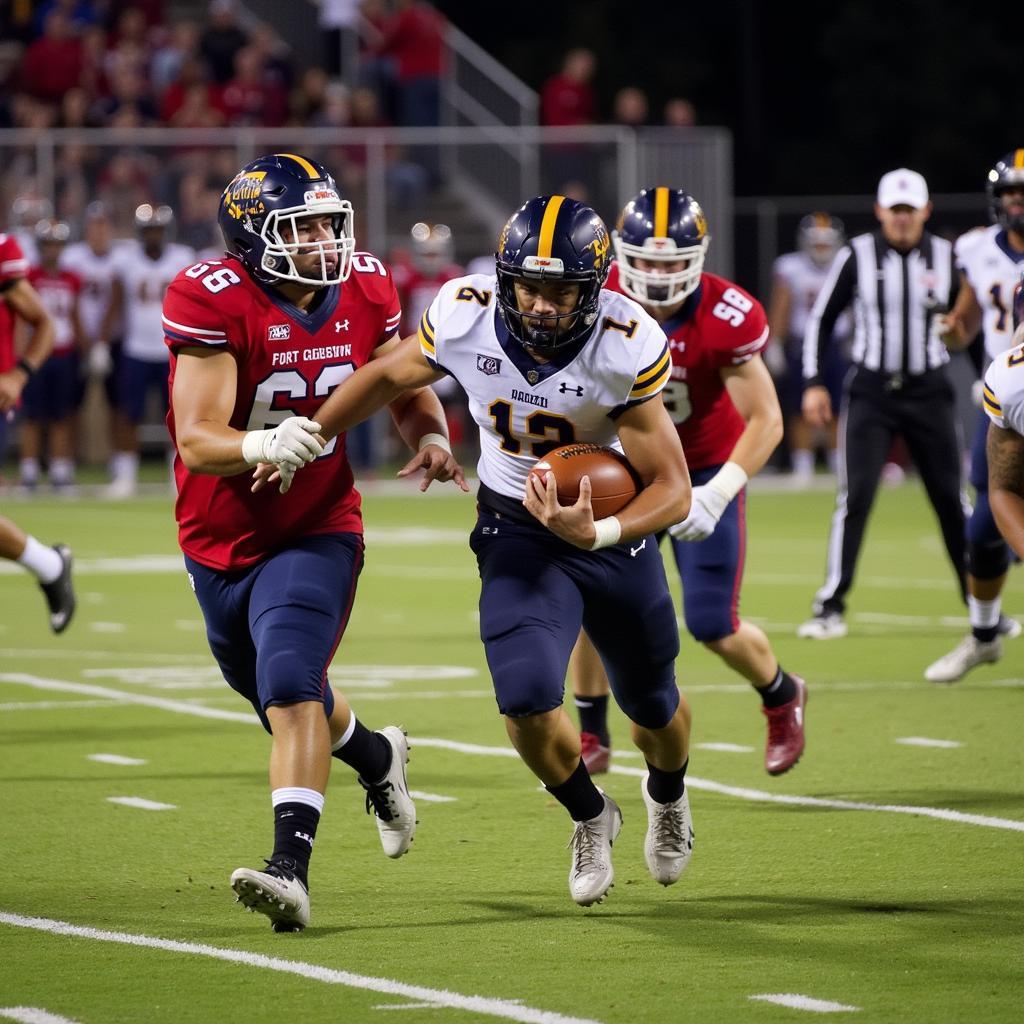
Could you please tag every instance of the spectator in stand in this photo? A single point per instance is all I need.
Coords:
(181, 45)
(249, 98)
(222, 39)
(129, 47)
(414, 38)
(568, 98)
(129, 103)
(276, 57)
(679, 113)
(94, 54)
(193, 76)
(75, 109)
(336, 111)
(630, 107)
(51, 398)
(308, 97)
(195, 109)
(376, 71)
(339, 20)
(53, 63)
(79, 13)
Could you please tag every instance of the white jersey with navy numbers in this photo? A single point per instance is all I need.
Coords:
(1004, 390)
(145, 281)
(523, 408)
(992, 269)
(804, 278)
(97, 272)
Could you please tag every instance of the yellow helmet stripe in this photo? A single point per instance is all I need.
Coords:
(1018, 158)
(303, 163)
(661, 213)
(547, 227)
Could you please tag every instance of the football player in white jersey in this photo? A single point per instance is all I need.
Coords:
(1003, 399)
(797, 277)
(548, 358)
(991, 260)
(144, 269)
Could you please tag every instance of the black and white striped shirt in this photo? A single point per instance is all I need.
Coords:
(895, 298)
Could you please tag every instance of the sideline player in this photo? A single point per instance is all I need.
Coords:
(257, 339)
(990, 261)
(723, 402)
(547, 358)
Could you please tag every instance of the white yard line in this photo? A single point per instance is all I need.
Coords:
(739, 792)
(432, 798)
(52, 705)
(798, 1002)
(116, 759)
(725, 748)
(141, 803)
(32, 1015)
(438, 998)
(923, 741)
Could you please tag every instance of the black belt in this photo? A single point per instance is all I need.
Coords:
(502, 506)
(897, 381)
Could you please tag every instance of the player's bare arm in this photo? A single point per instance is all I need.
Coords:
(959, 327)
(817, 405)
(752, 392)
(1005, 450)
(650, 442)
(28, 308)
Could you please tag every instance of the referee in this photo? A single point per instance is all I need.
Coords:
(897, 279)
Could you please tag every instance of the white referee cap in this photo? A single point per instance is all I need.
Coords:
(902, 187)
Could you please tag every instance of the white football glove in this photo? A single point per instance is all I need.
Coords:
(292, 442)
(705, 510)
(287, 474)
(99, 362)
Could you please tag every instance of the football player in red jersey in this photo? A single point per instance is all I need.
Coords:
(724, 405)
(258, 340)
(51, 566)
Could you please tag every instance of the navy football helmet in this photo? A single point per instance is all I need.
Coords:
(258, 217)
(1007, 172)
(661, 225)
(820, 237)
(552, 239)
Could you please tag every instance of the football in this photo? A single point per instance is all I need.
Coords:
(613, 481)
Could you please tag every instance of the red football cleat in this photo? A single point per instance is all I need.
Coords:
(785, 732)
(595, 754)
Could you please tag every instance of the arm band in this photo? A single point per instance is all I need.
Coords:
(729, 480)
(437, 439)
(27, 367)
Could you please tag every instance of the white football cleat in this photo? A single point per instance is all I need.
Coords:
(669, 840)
(967, 654)
(591, 874)
(275, 892)
(827, 626)
(392, 805)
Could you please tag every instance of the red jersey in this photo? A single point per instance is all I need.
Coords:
(722, 325)
(58, 292)
(288, 362)
(13, 267)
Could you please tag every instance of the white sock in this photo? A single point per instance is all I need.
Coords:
(347, 734)
(62, 471)
(29, 469)
(983, 614)
(803, 461)
(298, 795)
(43, 562)
(125, 466)
(833, 460)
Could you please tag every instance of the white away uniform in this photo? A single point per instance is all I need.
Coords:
(992, 269)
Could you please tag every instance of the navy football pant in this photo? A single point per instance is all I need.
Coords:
(536, 592)
(275, 626)
(712, 570)
(988, 555)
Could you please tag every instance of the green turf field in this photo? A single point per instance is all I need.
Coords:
(881, 876)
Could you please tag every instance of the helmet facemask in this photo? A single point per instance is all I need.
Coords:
(280, 235)
(652, 287)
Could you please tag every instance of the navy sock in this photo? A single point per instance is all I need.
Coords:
(368, 752)
(666, 787)
(294, 831)
(593, 712)
(578, 794)
(781, 690)
(985, 634)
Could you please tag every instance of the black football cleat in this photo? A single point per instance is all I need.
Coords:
(60, 594)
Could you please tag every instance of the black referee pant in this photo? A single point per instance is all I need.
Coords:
(876, 407)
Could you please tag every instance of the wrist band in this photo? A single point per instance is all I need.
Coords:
(607, 532)
(437, 439)
(729, 480)
(27, 367)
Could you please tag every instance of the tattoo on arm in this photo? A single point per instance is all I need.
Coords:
(1005, 449)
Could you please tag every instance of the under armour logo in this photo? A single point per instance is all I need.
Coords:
(636, 551)
(340, 325)
(566, 388)
(306, 836)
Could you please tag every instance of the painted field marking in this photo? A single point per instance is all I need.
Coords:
(437, 998)
(923, 741)
(32, 1015)
(141, 803)
(107, 627)
(432, 798)
(725, 748)
(116, 759)
(798, 1002)
(51, 705)
(739, 792)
